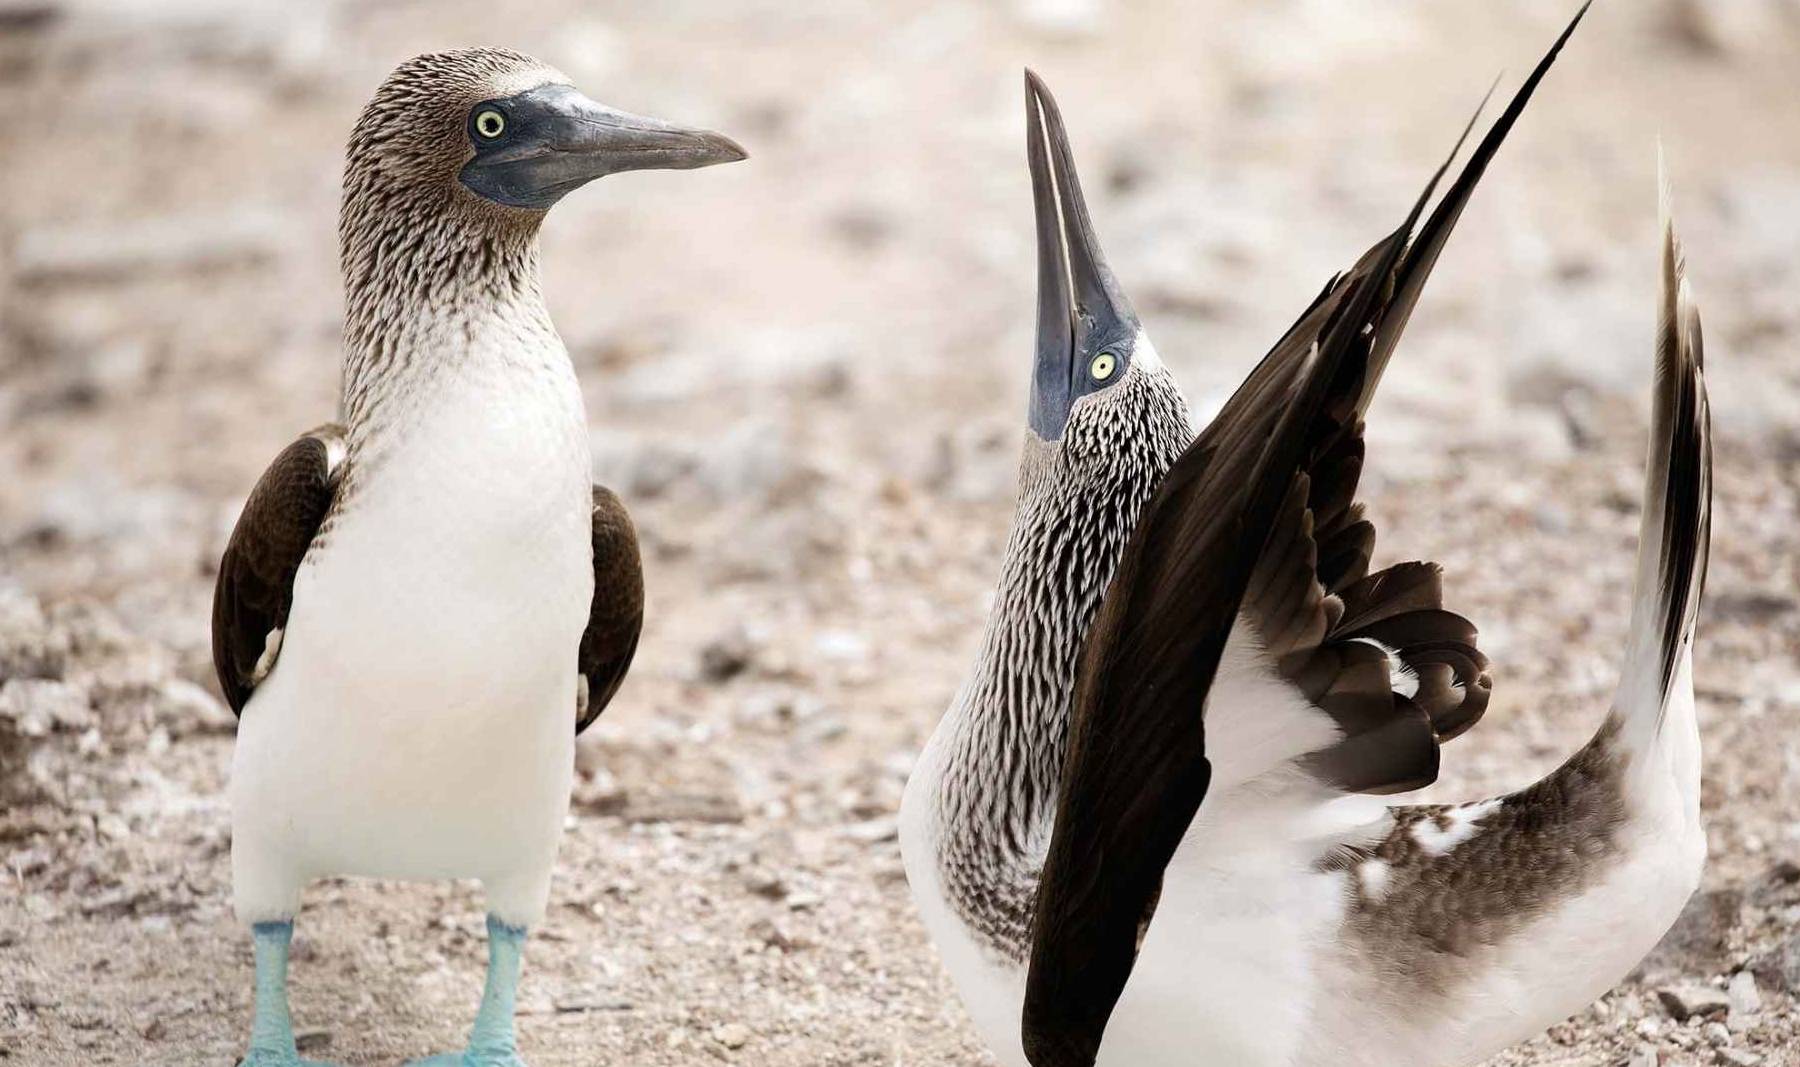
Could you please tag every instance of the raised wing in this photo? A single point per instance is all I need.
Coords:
(256, 575)
(1675, 534)
(617, 616)
(1247, 510)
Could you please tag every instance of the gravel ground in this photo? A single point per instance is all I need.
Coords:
(806, 375)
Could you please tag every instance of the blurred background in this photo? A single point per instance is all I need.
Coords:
(806, 375)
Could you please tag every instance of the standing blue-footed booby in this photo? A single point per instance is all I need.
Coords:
(1144, 833)
(420, 608)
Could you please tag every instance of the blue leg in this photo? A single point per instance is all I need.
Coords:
(272, 1032)
(491, 1043)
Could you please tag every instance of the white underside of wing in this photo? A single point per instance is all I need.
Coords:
(1256, 721)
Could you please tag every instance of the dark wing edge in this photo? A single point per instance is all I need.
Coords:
(1345, 636)
(1676, 529)
(1136, 769)
(616, 617)
(255, 589)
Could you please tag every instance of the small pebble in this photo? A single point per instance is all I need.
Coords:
(1745, 998)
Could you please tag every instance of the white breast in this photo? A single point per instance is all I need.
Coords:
(419, 722)
(992, 989)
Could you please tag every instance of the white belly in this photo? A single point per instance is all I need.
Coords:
(419, 722)
(1244, 965)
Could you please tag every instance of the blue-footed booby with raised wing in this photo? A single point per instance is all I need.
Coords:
(421, 607)
(1146, 834)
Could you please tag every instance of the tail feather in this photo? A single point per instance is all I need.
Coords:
(1677, 524)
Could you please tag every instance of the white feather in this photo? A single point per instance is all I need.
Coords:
(418, 721)
(1464, 822)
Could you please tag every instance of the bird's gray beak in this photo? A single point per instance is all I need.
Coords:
(551, 140)
(1080, 303)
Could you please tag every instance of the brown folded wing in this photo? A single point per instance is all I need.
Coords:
(617, 616)
(255, 589)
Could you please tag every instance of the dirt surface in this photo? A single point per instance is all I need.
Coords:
(806, 376)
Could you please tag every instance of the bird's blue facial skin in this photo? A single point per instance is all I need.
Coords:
(1095, 364)
(1086, 328)
(534, 147)
(511, 136)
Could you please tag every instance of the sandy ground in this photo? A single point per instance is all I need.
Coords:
(806, 375)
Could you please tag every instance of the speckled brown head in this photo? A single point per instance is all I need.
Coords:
(508, 129)
(466, 151)
(447, 177)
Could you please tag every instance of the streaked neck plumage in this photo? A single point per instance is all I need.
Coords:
(430, 270)
(1005, 732)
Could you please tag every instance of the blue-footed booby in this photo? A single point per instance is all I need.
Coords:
(1150, 830)
(421, 606)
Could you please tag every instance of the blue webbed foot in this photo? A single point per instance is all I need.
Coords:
(272, 1032)
(491, 1043)
(256, 1058)
(470, 1058)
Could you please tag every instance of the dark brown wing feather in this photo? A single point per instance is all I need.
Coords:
(1286, 446)
(1330, 627)
(617, 615)
(256, 574)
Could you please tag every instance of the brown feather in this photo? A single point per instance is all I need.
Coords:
(277, 527)
(617, 616)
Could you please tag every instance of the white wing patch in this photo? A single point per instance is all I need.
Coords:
(266, 662)
(1401, 678)
(336, 450)
(1372, 878)
(1440, 835)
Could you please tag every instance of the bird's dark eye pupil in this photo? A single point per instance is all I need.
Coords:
(490, 124)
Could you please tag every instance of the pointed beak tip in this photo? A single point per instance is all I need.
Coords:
(730, 151)
(716, 148)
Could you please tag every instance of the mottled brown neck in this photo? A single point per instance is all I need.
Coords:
(419, 258)
(1079, 501)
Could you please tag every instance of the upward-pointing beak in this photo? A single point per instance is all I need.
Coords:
(555, 140)
(1078, 297)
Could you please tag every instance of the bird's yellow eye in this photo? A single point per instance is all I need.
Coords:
(1103, 366)
(490, 124)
